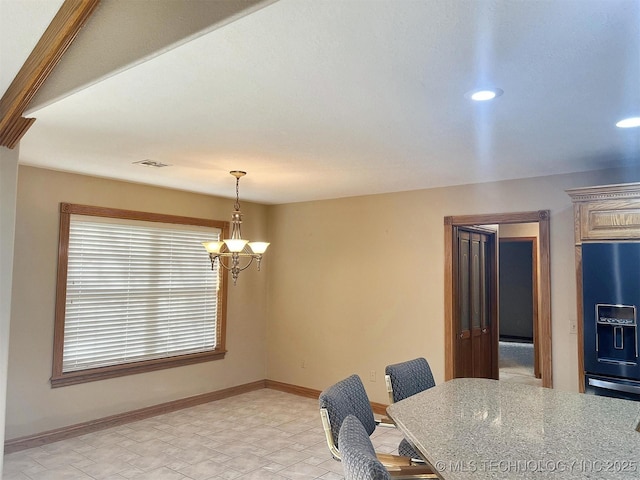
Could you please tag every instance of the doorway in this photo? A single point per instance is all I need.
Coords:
(519, 354)
(541, 218)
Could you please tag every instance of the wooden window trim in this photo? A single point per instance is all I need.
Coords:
(58, 378)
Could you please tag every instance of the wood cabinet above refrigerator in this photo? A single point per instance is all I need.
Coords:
(610, 212)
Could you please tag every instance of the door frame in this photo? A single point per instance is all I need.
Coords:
(541, 217)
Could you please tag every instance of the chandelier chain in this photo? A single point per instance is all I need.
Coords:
(237, 204)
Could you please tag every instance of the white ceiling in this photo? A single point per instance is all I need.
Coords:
(22, 23)
(332, 98)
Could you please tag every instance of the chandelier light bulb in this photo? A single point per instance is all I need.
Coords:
(213, 247)
(235, 245)
(258, 247)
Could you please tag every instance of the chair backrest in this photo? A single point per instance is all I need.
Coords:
(359, 460)
(408, 378)
(347, 397)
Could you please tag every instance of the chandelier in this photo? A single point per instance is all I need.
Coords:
(235, 254)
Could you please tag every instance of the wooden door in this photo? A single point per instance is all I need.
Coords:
(476, 310)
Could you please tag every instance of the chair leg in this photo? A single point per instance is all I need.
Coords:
(385, 422)
(411, 472)
(391, 460)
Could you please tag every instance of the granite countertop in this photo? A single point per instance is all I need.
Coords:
(471, 428)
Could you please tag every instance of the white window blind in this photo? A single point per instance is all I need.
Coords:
(137, 291)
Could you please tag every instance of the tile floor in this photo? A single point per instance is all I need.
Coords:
(262, 435)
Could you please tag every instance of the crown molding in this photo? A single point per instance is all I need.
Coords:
(605, 192)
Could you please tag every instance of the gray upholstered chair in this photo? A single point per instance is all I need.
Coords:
(348, 397)
(359, 459)
(403, 380)
(408, 378)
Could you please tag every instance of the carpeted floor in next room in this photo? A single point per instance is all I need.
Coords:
(516, 363)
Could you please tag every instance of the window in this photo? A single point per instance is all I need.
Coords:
(135, 292)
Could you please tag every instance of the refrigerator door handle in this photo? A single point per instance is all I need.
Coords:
(619, 387)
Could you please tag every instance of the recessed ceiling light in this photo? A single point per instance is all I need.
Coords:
(484, 94)
(629, 122)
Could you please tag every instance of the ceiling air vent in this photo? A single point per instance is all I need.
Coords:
(151, 163)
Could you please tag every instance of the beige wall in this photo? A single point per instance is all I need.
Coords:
(348, 286)
(8, 186)
(32, 405)
(357, 283)
(519, 230)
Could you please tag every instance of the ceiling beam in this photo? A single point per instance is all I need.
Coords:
(62, 30)
(127, 33)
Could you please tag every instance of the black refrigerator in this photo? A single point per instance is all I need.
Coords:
(611, 300)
